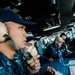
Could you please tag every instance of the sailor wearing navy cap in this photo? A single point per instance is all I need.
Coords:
(12, 40)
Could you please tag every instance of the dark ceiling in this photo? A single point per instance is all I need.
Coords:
(40, 10)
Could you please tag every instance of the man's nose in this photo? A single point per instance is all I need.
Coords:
(25, 34)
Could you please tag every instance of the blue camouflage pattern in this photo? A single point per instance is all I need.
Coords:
(12, 67)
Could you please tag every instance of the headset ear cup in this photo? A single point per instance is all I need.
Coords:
(3, 31)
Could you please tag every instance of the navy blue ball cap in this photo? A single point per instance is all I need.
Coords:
(7, 15)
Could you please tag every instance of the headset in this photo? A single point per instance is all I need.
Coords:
(3, 31)
(4, 34)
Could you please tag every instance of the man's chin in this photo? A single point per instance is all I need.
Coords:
(22, 47)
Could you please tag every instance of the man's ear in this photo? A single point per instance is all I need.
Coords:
(3, 31)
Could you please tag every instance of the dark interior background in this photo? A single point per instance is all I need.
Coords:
(40, 10)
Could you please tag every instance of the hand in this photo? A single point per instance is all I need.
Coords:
(51, 70)
(34, 66)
